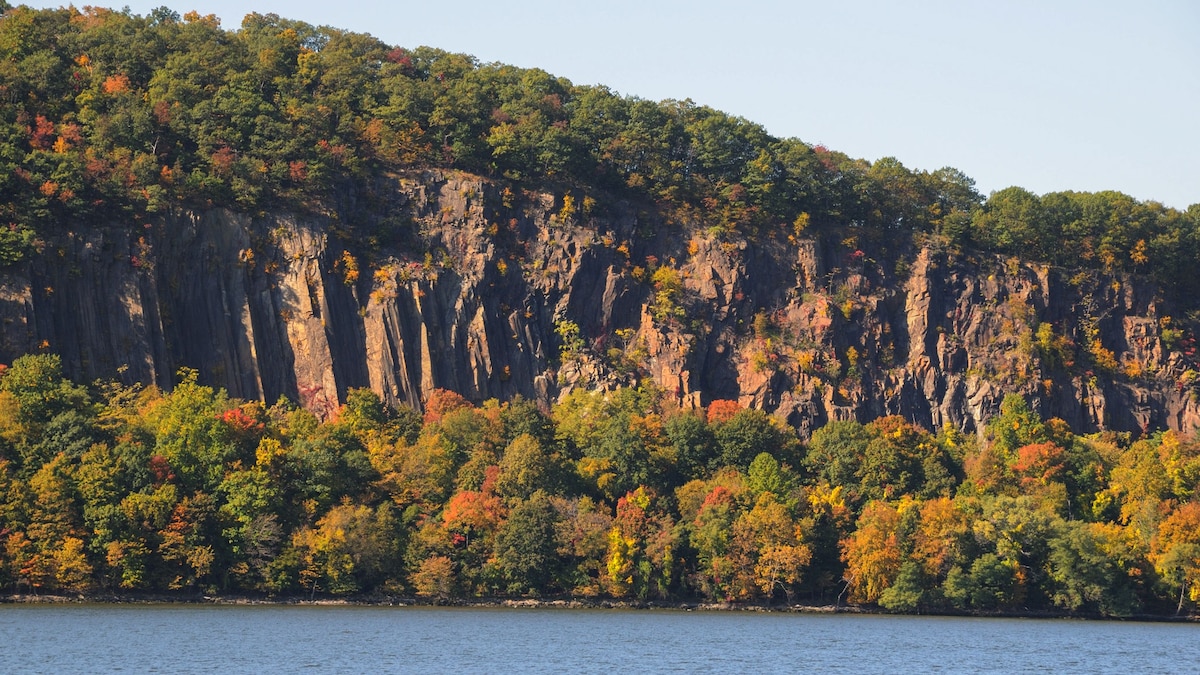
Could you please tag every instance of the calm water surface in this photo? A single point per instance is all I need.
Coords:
(173, 639)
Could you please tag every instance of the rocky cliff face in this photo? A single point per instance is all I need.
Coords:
(483, 288)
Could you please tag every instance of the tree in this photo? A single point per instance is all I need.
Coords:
(1137, 485)
(989, 469)
(710, 534)
(466, 430)
(351, 549)
(68, 433)
(991, 582)
(943, 537)
(835, 452)
(327, 463)
(747, 434)
(1016, 426)
(767, 550)
(527, 546)
(190, 544)
(641, 545)
(363, 412)
(1094, 568)
(528, 467)
(1040, 468)
(46, 402)
(413, 475)
(872, 553)
(826, 521)
(190, 435)
(134, 558)
(250, 502)
(619, 439)
(1176, 552)
(909, 591)
(520, 416)
(1013, 220)
(471, 522)
(766, 475)
(693, 442)
(720, 411)
(72, 571)
(439, 402)
(101, 484)
(1019, 532)
(668, 291)
(50, 553)
(903, 459)
(584, 531)
(434, 578)
(1180, 457)
(781, 566)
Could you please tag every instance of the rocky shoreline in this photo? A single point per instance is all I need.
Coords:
(408, 601)
(547, 604)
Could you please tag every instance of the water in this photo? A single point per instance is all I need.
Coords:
(279, 639)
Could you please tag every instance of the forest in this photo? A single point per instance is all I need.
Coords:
(110, 119)
(111, 489)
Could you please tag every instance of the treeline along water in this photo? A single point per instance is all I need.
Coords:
(180, 638)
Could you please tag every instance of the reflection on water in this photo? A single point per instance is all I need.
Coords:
(184, 638)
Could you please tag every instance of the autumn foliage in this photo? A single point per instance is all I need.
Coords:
(124, 489)
(722, 411)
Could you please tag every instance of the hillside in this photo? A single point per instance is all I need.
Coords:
(360, 319)
(297, 211)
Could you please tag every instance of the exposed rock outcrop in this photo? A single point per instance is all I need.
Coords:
(478, 286)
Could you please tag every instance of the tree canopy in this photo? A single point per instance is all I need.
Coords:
(618, 495)
(113, 114)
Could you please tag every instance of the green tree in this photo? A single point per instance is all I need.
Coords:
(749, 433)
(910, 590)
(1014, 221)
(190, 436)
(53, 414)
(1095, 569)
(835, 452)
(990, 582)
(527, 546)
(528, 467)
(903, 459)
(326, 465)
(1019, 533)
(693, 442)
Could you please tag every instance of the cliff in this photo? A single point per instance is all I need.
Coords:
(453, 281)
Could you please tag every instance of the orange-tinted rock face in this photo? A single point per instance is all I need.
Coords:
(466, 286)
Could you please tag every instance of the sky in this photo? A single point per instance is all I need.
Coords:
(1050, 95)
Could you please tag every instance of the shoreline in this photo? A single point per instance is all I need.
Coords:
(555, 603)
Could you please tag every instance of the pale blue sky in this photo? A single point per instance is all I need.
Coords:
(1047, 94)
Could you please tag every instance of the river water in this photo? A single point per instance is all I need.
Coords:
(324, 639)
